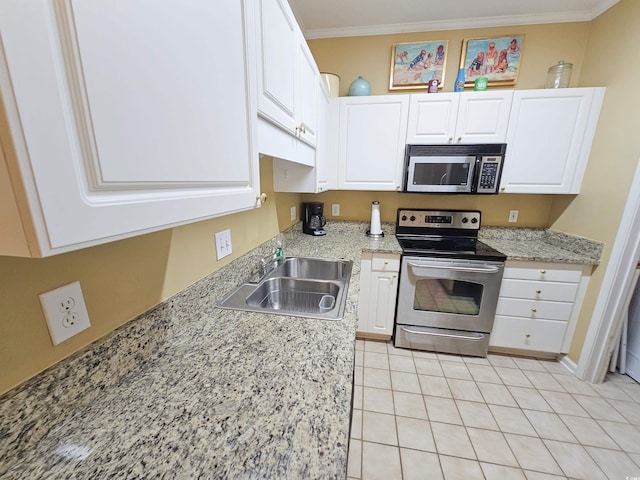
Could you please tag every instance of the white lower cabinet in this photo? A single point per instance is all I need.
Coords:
(539, 306)
(378, 291)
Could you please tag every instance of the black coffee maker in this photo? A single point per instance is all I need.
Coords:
(313, 218)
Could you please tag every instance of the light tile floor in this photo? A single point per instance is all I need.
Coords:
(421, 415)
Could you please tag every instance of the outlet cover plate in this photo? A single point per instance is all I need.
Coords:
(65, 312)
(335, 209)
(294, 213)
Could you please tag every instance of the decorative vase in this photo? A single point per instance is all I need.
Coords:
(359, 87)
(459, 85)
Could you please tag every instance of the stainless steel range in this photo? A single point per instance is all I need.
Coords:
(449, 282)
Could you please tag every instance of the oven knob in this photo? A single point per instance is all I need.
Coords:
(412, 218)
(404, 217)
(464, 220)
(474, 220)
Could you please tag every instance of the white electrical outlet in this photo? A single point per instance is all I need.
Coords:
(65, 312)
(513, 216)
(294, 213)
(223, 244)
(335, 209)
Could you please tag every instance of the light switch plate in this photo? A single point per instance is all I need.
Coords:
(223, 244)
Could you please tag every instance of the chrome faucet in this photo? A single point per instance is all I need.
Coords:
(268, 263)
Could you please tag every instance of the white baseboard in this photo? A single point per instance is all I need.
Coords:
(569, 364)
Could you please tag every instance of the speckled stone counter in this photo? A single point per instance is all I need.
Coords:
(188, 390)
(541, 245)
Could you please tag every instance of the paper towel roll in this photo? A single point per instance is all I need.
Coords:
(376, 228)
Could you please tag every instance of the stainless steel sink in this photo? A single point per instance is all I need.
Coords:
(301, 286)
(314, 268)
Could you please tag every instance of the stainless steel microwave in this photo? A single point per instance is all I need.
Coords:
(471, 169)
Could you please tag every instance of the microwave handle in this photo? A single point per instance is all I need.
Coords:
(487, 269)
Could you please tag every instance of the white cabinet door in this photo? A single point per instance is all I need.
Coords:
(483, 117)
(119, 128)
(384, 287)
(278, 61)
(309, 79)
(549, 139)
(308, 177)
(468, 117)
(432, 118)
(378, 292)
(287, 77)
(372, 142)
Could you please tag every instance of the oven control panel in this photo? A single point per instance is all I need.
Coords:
(468, 220)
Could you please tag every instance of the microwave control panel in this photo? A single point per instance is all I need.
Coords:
(489, 174)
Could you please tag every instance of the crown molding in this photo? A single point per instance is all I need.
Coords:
(462, 23)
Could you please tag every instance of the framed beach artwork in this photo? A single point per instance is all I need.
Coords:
(413, 65)
(497, 58)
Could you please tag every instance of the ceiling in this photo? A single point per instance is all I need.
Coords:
(347, 18)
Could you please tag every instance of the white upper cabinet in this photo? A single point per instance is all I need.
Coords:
(295, 177)
(372, 142)
(549, 139)
(308, 94)
(467, 117)
(122, 119)
(287, 76)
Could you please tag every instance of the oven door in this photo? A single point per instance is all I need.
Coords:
(448, 293)
(440, 174)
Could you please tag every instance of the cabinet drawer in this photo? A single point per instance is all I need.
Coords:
(537, 290)
(534, 309)
(544, 272)
(525, 334)
(385, 263)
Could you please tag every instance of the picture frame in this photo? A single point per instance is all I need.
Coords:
(414, 64)
(496, 58)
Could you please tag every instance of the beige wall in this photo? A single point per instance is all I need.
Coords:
(534, 210)
(120, 280)
(596, 212)
(370, 56)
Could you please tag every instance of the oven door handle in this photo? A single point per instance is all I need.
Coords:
(487, 269)
(470, 336)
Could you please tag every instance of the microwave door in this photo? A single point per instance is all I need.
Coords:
(435, 174)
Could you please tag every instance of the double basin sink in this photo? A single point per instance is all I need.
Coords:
(300, 286)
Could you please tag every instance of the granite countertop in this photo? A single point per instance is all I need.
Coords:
(542, 245)
(188, 390)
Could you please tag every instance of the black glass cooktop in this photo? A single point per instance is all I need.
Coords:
(469, 248)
